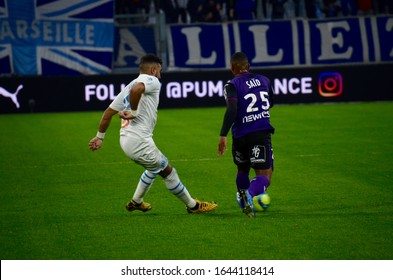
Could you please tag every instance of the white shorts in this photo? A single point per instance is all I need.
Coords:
(144, 152)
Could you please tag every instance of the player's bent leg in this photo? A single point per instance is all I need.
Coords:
(258, 185)
(258, 188)
(144, 185)
(176, 187)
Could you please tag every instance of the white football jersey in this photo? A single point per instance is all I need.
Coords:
(144, 123)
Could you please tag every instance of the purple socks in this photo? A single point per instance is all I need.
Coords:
(258, 185)
(242, 181)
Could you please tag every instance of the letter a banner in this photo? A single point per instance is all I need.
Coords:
(56, 37)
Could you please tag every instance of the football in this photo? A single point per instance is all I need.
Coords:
(261, 202)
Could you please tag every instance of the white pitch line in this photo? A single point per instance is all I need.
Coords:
(335, 154)
(117, 162)
(310, 155)
(195, 159)
(182, 160)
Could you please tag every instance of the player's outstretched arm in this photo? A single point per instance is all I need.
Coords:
(96, 142)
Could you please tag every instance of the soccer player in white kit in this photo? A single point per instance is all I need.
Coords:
(137, 105)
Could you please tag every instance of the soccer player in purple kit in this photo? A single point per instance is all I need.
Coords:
(249, 97)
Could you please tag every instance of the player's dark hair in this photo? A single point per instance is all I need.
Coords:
(150, 58)
(239, 57)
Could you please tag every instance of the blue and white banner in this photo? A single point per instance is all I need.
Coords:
(131, 43)
(282, 43)
(56, 37)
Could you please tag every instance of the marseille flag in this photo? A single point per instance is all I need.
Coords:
(56, 37)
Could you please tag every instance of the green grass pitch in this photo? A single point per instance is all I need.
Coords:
(332, 189)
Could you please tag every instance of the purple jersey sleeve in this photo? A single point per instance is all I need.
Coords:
(231, 111)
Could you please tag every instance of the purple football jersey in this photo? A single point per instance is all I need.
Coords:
(254, 99)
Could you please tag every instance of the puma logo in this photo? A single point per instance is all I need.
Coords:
(13, 96)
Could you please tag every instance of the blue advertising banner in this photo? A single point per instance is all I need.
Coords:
(298, 42)
(56, 37)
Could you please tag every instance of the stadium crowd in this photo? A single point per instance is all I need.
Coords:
(191, 11)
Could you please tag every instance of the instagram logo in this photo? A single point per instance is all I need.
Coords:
(330, 84)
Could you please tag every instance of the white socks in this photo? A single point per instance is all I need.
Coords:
(172, 182)
(144, 185)
(177, 188)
